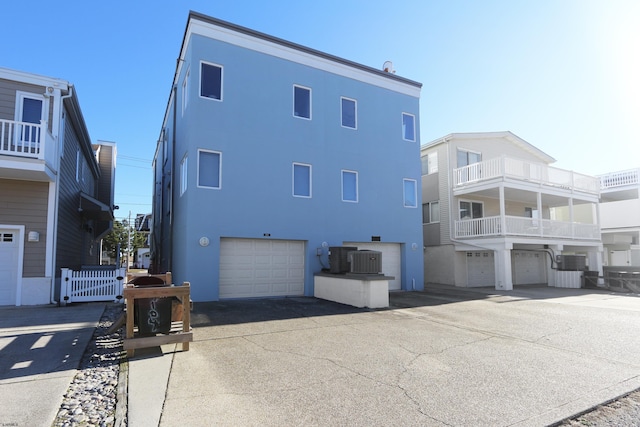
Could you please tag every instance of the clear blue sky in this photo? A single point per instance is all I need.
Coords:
(562, 74)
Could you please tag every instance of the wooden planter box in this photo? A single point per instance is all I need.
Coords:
(180, 331)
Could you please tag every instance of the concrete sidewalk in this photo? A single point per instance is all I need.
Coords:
(40, 351)
(443, 357)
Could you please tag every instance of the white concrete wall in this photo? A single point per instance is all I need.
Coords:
(624, 213)
(358, 293)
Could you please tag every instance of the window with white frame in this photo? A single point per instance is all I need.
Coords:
(466, 157)
(429, 163)
(348, 112)
(209, 169)
(470, 210)
(301, 180)
(185, 90)
(431, 212)
(301, 102)
(408, 127)
(211, 81)
(410, 190)
(183, 175)
(349, 186)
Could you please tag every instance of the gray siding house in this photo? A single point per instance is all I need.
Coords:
(56, 187)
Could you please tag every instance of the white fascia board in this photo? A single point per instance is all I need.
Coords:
(294, 55)
(35, 79)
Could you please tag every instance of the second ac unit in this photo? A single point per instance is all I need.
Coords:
(366, 262)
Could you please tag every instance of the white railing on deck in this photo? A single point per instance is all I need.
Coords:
(620, 179)
(22, 139)
(92, 285)
(505, 167)
(526, 227)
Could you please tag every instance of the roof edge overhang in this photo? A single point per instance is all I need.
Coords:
(93, 208)
(508, 135)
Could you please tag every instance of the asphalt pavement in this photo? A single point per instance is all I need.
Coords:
(443, 357)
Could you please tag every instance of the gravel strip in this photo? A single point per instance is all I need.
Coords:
(624, 411)
(92, 396)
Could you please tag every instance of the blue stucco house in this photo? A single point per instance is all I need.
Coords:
(270, 153)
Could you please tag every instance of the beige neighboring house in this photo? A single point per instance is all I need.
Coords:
(620, 212)
(496, 213)
(56, 187)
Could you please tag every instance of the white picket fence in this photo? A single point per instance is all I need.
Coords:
(92, 285)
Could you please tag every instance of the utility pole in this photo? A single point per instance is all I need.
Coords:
(128, 240)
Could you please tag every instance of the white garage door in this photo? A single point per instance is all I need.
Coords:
(391, 257)
(261, 268)
(528, 268)
(8, 266)
(480, 269)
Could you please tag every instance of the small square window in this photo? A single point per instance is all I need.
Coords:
(431, 212)
(349, 186)
(209, 169)
(410, 190)
(301, 180)
(211, 81)
(408, 127)
(348, 110)
(301, 102)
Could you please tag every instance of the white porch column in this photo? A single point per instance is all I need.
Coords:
(503, 215)
(540, 216)
(571, 220)
(502, 262)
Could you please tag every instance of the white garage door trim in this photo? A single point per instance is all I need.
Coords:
(11, 262)
(391, 260)
(253, 268)
(481, 270)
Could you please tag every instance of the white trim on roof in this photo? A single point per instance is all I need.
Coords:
(268, 47)
(35, 79)
(509, 136)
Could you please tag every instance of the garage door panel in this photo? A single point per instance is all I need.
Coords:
(528, 267)
(267, 268)
(480, 269)
(8, 266)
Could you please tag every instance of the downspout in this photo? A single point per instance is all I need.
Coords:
(172, 178)
(52, 299)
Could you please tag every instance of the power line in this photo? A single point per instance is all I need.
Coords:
(135, 159)
(138, 167)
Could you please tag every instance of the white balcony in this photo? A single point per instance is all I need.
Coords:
(521, 170)
(620, 179)
(28, 150)
(495, 226)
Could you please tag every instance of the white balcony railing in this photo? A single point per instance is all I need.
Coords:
(540, 173)
(525, 227)
(620, 179)
(23, 139)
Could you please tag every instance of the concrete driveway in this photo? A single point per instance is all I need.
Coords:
(444, 357)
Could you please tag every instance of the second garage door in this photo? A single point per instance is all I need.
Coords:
(261, 268)
(390, 260)
(528, 268)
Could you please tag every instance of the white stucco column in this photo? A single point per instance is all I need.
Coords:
(502, 262)
(503, 215)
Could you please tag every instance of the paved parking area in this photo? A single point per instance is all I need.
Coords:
(446, 356)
